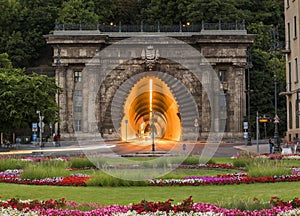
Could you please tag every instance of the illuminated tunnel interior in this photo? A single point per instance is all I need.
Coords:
(151, 111)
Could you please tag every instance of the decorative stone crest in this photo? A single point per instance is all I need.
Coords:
(150, 55)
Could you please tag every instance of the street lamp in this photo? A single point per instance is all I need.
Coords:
(274, 47)
(152, 131)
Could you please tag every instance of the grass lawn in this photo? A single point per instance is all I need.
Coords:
(126, 195)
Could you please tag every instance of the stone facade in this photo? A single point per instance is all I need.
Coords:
(74, 50)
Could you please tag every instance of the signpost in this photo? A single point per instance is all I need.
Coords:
(41, 126)
(34, 127)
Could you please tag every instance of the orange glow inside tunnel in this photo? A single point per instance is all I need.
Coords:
(151, 102)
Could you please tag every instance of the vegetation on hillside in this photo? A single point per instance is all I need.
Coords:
(24, 22)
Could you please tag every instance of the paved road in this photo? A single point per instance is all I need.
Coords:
(120, 148)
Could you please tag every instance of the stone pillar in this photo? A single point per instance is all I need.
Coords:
(240, 95)
(69, 76)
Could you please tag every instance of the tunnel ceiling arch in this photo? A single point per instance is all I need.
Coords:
(173, 106)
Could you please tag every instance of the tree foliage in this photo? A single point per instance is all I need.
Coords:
(21, 95)
(76, 11)
(24, 22)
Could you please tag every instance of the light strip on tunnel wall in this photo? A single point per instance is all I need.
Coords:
(150, 88)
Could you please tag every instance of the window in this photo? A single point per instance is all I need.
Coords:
(287, 3)
(295, 27)
(289, 87)
(77, 101)
(296, 71)
(77, 125)
(77, 76)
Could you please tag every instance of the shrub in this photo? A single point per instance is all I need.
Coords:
(12, 163)
(259, 167)
(46, 169)
(103, 179)
(145, 206)
(241, 162)
(249, 205)
(81, 163)
(191, 160)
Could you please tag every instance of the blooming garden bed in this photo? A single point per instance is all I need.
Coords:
(187, 207)
(13, 176)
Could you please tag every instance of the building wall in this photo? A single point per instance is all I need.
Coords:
(292, 50)
(225, 53)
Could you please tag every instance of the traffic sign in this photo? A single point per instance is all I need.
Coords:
(276, 119)
(34, 125)
(41, 124)
(245, 124)
(264, 119)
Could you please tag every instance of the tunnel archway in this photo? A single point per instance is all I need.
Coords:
(150, 111)
(174, 108)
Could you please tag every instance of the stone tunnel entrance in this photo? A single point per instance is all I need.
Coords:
(150, 112)
(154, 105)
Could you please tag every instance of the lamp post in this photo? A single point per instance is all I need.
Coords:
(274, 47)
(152, 131)
(248, 66)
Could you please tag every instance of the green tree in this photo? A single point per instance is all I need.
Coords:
(16, 49)
(126, 11)
(10, 10)
(4, 61)
(262, 78)
(21, 95)
(266, 11)
(214, 11)
(164, 12)
(76, 11)
(104, 10)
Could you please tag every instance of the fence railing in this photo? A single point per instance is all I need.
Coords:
(151, 28)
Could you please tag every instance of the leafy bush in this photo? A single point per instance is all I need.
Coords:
(12, 163)
(81, 163)
(191, 160)
(46, 169)
(145, 206)
(259, 167)
(249, 205)
(241, 162)
(103, 179)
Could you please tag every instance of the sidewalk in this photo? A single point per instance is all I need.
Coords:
(261, 148)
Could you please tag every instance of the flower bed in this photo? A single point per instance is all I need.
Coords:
(223, 180)
(187, 207)
(199, 166)
(13, 176)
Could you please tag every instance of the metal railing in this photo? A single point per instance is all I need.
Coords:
(150, 28)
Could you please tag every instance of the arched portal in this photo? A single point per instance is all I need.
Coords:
(150, 111)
